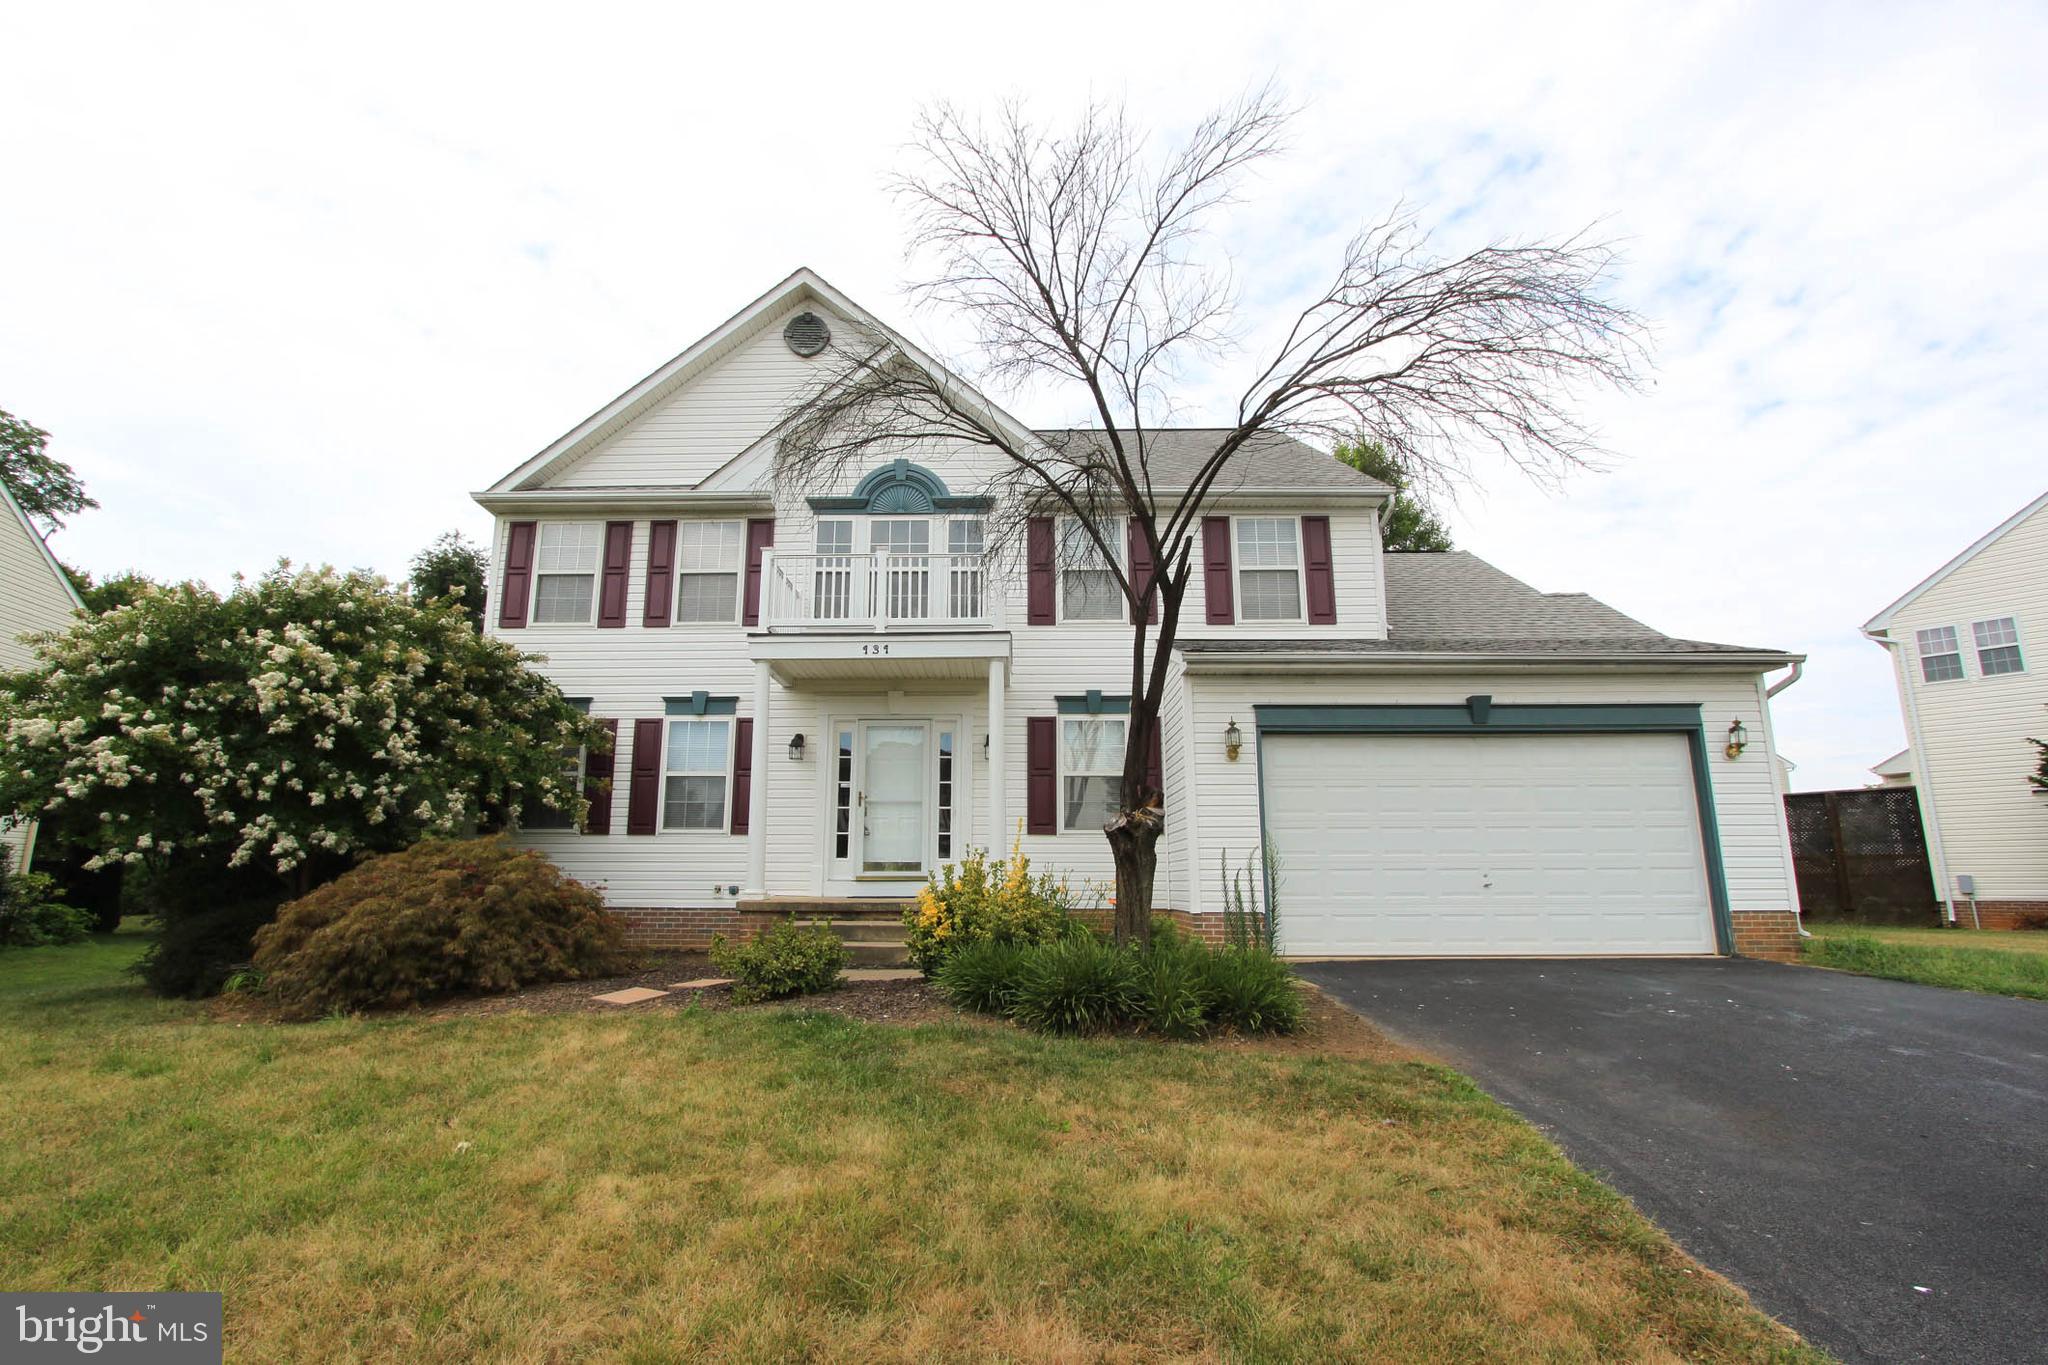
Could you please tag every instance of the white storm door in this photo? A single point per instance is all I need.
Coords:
(893, 808)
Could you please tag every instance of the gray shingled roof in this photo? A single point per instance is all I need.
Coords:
(1457, 603)
(1267, 461)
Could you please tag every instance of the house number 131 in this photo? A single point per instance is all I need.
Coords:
(874, 649)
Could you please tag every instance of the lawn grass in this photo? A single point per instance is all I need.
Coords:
(780, 1184)
(1991, 961)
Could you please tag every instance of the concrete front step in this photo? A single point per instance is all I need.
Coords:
(810, 909)
(877, 954)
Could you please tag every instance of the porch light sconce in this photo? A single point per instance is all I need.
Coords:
(1738, 739)
(1233, 741)
(796, 748)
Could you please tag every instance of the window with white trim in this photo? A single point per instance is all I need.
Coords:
(538, 814)
(565, 559)
(709, 555)
(1269, 568)
(1091, 770)
(1088, 586)
(965, 543)
(697, 761)
(1941, 659)
(1998, 646)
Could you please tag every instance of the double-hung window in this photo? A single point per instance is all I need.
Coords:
(1941, 660)
(565, 563)
(696, 764)
(1091, 770)
(538, 814)
(1088, 586)
(1269, 568)
(1998, 646)
(708, 558)
(964, 545)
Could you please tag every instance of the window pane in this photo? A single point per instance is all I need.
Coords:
(1092, 745)
(1090, 595)
(1270, 594)
(568, 547)
(707, 596)
(696, 746)
(1942, 667)
(694, 803)
(708, 546)
(1266, 543)
(1939, 640)
(963, 537)
(1091, 802)
(901, 537)
(2003, 659)
(563, 597)
(835, 538)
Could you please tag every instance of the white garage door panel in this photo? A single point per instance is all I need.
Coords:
(1487, 844)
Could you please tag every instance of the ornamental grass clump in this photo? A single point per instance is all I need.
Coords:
(444, 917)
(978, 901)
(1080, 984)
(783, 960)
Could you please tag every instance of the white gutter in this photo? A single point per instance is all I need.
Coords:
(1923, 777)
(1220, 661)
(600, 499)
(1798, 671)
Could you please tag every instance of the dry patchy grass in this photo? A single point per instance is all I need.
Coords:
(776, 1184)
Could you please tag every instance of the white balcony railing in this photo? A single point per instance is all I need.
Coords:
(881, 591)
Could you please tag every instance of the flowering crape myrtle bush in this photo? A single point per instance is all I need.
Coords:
(306, 714)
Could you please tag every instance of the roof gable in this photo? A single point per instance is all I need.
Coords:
(1882, 621)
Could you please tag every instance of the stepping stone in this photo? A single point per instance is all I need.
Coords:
(883, 974)
(700, 983)
(632, 995)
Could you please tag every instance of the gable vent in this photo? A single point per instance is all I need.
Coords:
(807, 334)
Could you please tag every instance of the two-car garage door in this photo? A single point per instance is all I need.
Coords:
(1503, 844)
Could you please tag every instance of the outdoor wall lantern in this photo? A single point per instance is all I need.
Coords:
(1233, 741)
(796, 748)
(1738, 739)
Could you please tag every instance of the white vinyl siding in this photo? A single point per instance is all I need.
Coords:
(709, 557)
(565, 563)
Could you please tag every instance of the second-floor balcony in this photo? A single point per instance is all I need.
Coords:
(880, 591)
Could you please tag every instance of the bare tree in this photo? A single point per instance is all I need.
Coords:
(1078, 262)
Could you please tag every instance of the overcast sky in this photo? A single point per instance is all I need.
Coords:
(294, 281)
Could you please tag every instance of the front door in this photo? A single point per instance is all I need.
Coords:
(892, 803)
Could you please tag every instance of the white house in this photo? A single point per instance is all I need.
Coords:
(1962, 646)
(820, 694)
(35, 595)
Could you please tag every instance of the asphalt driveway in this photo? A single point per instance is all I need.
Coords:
(1869, 1159)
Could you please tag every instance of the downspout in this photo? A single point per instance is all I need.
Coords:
(1923, 780)
(1778, 778)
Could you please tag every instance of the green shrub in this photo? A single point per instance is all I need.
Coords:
(982, 976)
(978, 901)
(30, 916)
(784, 960)
(1251, 990)
(443, 917)
(205, 920)
(1077, 985)
(1175, 981)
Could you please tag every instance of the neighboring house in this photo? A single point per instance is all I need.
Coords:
(1965, 646)
(822, 693)
(1896, 771)
(35, 595)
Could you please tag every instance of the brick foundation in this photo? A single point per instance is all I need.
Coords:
(1769, 934)
(1999, 914)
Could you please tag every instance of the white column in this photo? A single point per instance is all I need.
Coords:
(757, 790)
(998, 814)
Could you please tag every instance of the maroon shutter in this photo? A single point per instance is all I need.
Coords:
(518, 584)
(742, 772)
(760, 535)
(1038, 563)
(1141, 570)
(1322, 584)
(1216, 570)
(1155, 765)
(643, 802)
(597, 782)
(618, 562)
(1041, 775)
(661, 571)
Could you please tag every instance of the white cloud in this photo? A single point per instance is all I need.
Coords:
(293, 283)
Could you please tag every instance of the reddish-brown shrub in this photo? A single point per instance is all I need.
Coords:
(444, 917)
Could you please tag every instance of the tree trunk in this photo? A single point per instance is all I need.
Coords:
(1134, 843)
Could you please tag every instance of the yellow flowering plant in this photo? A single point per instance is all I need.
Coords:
(981, 901)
